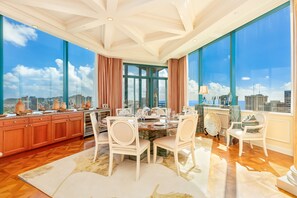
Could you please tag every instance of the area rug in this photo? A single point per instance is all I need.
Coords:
(256, 184)
(78, 176)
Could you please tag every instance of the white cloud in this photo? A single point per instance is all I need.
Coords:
(287, 86)
(192, 90)
(48, 81)
(245, 78)
(18, 35)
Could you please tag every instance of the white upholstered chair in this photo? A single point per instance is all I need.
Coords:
(124, 139)
(100, 138)
(184, 138)
(124, 112)
(242, 133)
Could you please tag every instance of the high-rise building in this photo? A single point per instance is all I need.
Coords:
(255, 102)
(287, 94)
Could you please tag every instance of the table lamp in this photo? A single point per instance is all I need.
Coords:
(203, 90)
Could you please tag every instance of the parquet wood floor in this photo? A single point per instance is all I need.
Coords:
(12, 186)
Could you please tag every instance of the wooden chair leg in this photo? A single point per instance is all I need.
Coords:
(264, 148)
(251, 144)
(228, 139)
(148, 154)
(193, 155)
(176, 162)
(110, 163)
(155, 153)
(240, 147)
(137, 166)
(96, 152)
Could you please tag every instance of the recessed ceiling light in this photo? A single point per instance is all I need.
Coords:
(110, 18)
(194, 40)
(35, 26)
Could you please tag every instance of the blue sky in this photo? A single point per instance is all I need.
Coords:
(262, 59)
(33, 63)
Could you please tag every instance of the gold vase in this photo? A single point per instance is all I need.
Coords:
(19, 107)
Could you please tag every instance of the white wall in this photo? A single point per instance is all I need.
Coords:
(279, 129)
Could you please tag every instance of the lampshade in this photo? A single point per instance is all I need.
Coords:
(203, 90)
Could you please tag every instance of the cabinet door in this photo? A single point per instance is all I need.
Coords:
(75, 127)
(15, 139)
(40, 134)
(59, 130)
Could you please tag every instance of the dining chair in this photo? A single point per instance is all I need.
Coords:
(124, 139)
(250, 133)
(100, 138)
(184, 138)
(124, 112)
(159, 111)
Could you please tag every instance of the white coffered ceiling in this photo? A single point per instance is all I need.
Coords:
(145, 31)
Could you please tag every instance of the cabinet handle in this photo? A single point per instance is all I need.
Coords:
(26, 125)
(40, 118)
(14, 121)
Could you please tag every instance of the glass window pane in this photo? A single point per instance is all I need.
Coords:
(193, 67)
(216, 70)
(133, 70)
(80, 76)
(33, 66)
(159, 95)
(160, 72)
(263, 66)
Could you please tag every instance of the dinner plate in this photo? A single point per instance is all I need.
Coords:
(159, 124)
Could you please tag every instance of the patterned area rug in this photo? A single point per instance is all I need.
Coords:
(78, 176)
(256, 184)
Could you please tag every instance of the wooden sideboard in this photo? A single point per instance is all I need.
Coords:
(22, 133)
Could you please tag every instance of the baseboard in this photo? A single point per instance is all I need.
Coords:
(276, 148)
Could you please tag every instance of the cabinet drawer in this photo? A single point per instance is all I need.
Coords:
(1, 124)
(58, 117)
(11, 122)
(40, 119)
(78, 114)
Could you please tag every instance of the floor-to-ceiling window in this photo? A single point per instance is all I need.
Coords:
(144, 86)
(34, 69)
(193, 78)
(263, 63)
(80, 76)
(33, 66)
(250, 67)
(216, 71)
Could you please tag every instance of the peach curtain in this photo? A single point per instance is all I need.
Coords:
(110, 76)
(177, 84)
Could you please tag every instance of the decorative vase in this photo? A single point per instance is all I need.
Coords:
(83, 105)
(63, 105)
(88, 104)
(56, 105)
(19, 107)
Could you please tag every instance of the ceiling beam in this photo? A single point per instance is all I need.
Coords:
(135, 35)
(64, 6)
(111, 7)
(95, 5)
(84, 24)
(210, 18)
(160, 36)
(124, 44)
(184, 8)
(108, 35)
(158, 23)
(39, 15)
(135, 7)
